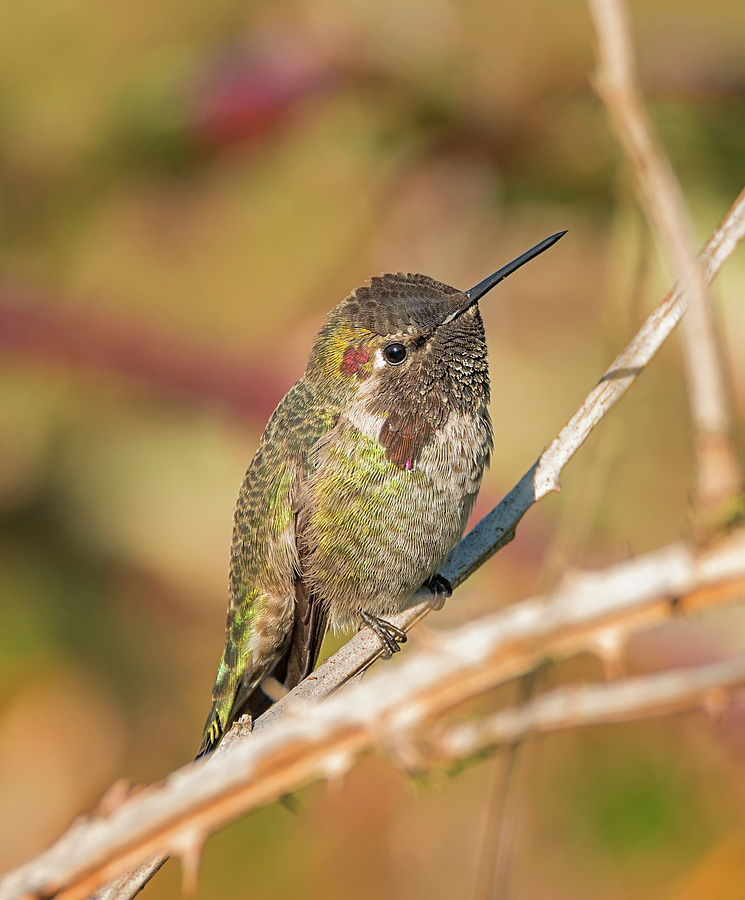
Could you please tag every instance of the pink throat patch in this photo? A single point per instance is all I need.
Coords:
(354, 361)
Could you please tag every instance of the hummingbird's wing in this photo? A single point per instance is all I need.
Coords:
(275, 626)
(298, 659)
(310, 626)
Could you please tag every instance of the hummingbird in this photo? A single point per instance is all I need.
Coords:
(361, 485)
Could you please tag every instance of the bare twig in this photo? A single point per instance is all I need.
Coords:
(718, 476)
(393, 708)
(597, 704)
(498, 527)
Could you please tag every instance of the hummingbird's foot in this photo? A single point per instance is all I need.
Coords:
(441, 590)
(389, 635)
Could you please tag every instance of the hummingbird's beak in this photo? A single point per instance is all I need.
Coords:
(476, 293)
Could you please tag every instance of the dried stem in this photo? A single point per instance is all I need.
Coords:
(597, 704)
(396, 708)
(718, 476)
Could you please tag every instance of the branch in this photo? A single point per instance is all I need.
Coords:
(497, 528)
(393, 707)
(718, 473)
(597, 704)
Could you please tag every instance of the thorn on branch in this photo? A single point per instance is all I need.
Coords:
(187, 847)
(406, 755)
(608, 644)
(115, 795)
(334, 766)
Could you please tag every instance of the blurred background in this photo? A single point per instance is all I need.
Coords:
(186, 189)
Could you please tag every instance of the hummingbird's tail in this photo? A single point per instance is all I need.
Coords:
(233, 697)
(246, 699)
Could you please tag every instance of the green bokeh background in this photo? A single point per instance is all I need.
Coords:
(162, 275)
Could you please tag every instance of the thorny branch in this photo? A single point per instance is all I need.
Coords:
(592, 612)
(718, 476)
(396, 708)
(596, 704)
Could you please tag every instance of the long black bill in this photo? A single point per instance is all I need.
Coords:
(476, 293)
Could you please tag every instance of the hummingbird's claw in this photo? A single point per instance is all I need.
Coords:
(389, 635)
(441, 590)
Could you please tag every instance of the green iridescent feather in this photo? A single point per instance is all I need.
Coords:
(264, 560)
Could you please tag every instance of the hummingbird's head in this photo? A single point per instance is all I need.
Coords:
(413, 350)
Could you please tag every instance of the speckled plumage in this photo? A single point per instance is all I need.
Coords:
(362, 483)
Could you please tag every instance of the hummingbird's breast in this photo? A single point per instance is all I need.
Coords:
(374, 529)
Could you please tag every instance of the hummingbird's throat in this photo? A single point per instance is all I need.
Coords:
(404, 439)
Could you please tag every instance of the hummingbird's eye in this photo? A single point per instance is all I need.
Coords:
(395, 354)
